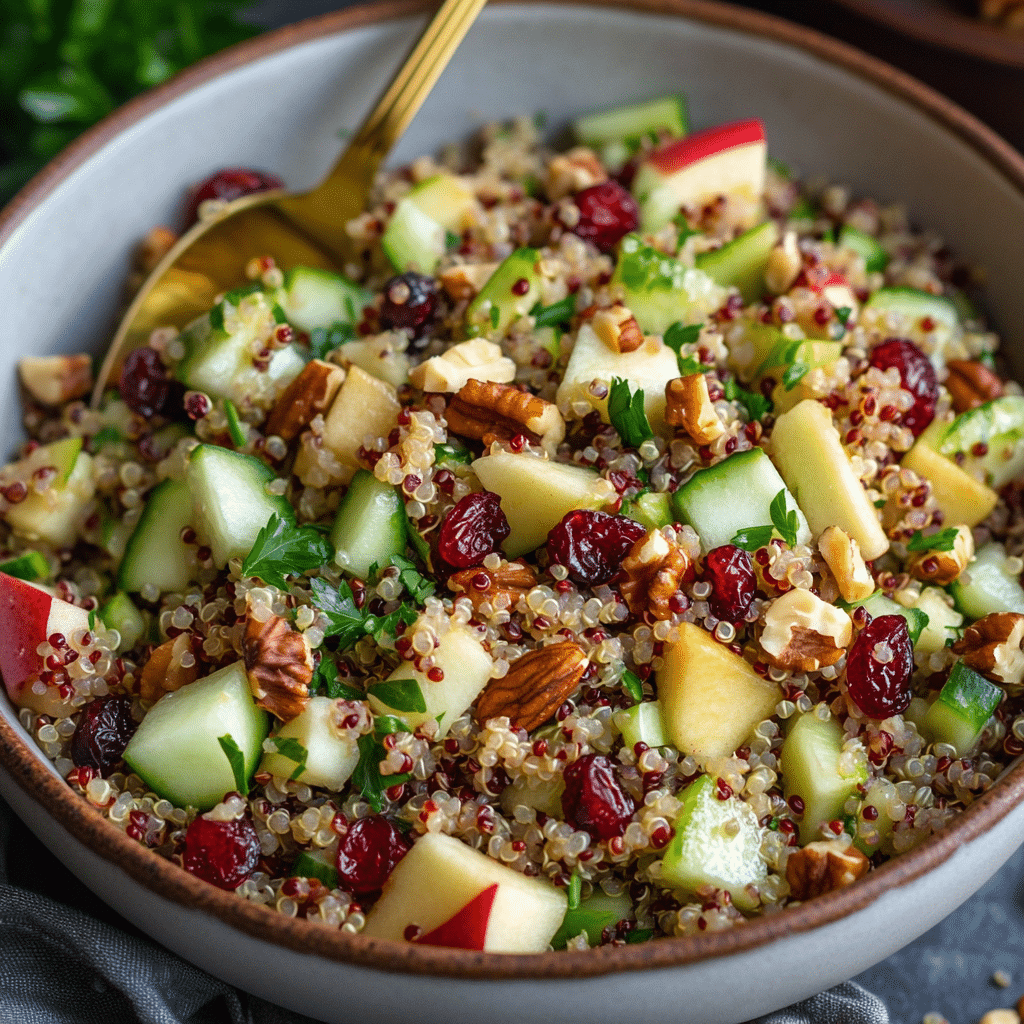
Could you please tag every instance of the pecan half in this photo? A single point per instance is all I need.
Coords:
(492, 412)
(279, 665)
(535, 686)
(309, 394)
(824, 866)
(942, 567)
(54, 380)
(802, 632)
(654, 570)
(971, 383)
(502, 587)
(688, 405)
(618, 329)
(992, 646)
(164, 672)
(842, 555)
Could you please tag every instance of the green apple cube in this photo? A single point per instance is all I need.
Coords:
(592, 916)
(330, 755)
(31, 566)
(313, 298)
(963, 708)
(316, 864)
(369, 528)
(643, 723)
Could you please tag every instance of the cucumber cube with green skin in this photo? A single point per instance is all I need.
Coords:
(652, 509)
(315, 864)
(121, 614)
(990, 587)
(717, 843)
(963, 708)
(878, 604)
(31, 566)
(662, 117)
(876, 259)
(997, 427)
(413, 240)
(176, 749)
(661, 291)
(155, 553)
(815, 768)
(505, 298)
(313, 298)
(943, 623)
(741, 263)
(592, 916)
(642, 723)
(914, 314)
(230, 502)
(733, 495)
(369, 528)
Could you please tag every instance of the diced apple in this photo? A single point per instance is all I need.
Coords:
(379, 357)
(466, 667)
(806, 448)
(727, 160)
(943, 620)
(331, 756)
(440, 885)
(535, 494)
(710, 698)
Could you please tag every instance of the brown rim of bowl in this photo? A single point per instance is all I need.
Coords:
(24, 762)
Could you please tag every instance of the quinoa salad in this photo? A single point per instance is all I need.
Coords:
(625, 543)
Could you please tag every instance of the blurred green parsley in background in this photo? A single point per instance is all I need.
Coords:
(64, 64)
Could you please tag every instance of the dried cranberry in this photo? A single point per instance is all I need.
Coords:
(591, 545)
(223, 853)
(879, 666)
(607, 212)
(473, 529)
(917, 375)
(231, 183)
(146, 386)
(102, 733)
(593, 799)
(732, 580)
(409, 303)
(368, 853)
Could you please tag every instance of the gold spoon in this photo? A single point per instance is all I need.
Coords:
(306, 229)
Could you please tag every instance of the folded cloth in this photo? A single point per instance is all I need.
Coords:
(848, 1003)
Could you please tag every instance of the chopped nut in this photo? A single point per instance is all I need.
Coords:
(465, 281)
(802, 632)
(477, 359)
(993, 647)
(164, 673)
(501, 587)
(971, 384)
(824, 866)
(312, 392)
(54, 380)
(784, 265)
(279, 665)
(572, 172)
(942, 567)
(492, 412)
(688, 405)
(618, 329)
(842, 555)
(654, 570)
(534, 687)
(154, 247)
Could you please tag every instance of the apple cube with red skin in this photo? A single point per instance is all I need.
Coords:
(452, 895)
(29, 615)
(729, 160)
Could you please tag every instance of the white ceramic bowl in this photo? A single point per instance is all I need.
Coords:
(277, 103)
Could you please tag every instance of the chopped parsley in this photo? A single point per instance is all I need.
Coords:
(757, 406)
(752, 538)
(944, 540)
(632, 685)
(283, 549)
(626, 411)
(787, 523)
(556, 315)
(291, 748)
(237, 761)
(367, 777)
(348, 622)
(416, 584)
(324, 340)
(676, 337)
(400, 694)
(326, 679)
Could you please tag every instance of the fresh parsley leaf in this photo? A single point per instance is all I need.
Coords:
(344, 619)
(385, 725)
(679, 335)
(944, 540)
(683, 228)
(638, 935)
(757, 406)
(956, 633)
(557, 314)
(689, 365)
(881, 503)
(400, 694)
(573, 890)
(380, 629)
(495, 317)
(416, 584)
(626, 411)
(632, 685)
(787, 523)
(105, 436)
(843, 314)
(283, 549)
(451, 239)
(793, 374)
(237, 761)
(290, 747)
(326, 678)
(367, 777)
(92, 621)
(324, 340)
(752, 538)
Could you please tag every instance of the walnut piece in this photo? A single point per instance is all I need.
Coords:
(784, 265)
(54, 380)
(842, 555)
(688, 405)
(164, 672)
(310, 394)
(802, 632)
(572, 172)
(501, 587)
(492, 412)
(654, 570)
(971, 384)
(993, 647)
(534, 687)
(477, 359)
(942, 567)
(279, 665)
(465, 281)
(618, 329)
(824, 866)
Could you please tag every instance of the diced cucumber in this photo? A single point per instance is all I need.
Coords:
(718, 843)
(449, 454)
(652, 509)
(943, 620)
(503, 299)
(121, 614)
(734, 495)
(316, 864)
(155, 552)
(642, 723)
(413, 240)
(329, 755)
(664, 116)
(991, 588)
(31, 566)
(230, 500)
(741, 263)
(997, 428)
(911, 305)
(313, 298)
(878, 604)
(176, 749)
(593, 915)
(876, 259)
(369, 528)
(815, 769)
(964, 706)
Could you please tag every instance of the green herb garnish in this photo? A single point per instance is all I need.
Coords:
(573, 890)
(793, 374)
(556, 315)
(944, 540)
(495, 317)
(282, 549)
(367, 777)
(105, 436)
(324, 340)
(787, 523)
(325, 678)
(344, 620)
(757, 406)
(290, 747)
(626, 412)
(400, 694)
(237, 761)
(752, 538)
(416, 584)
(632, 685)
